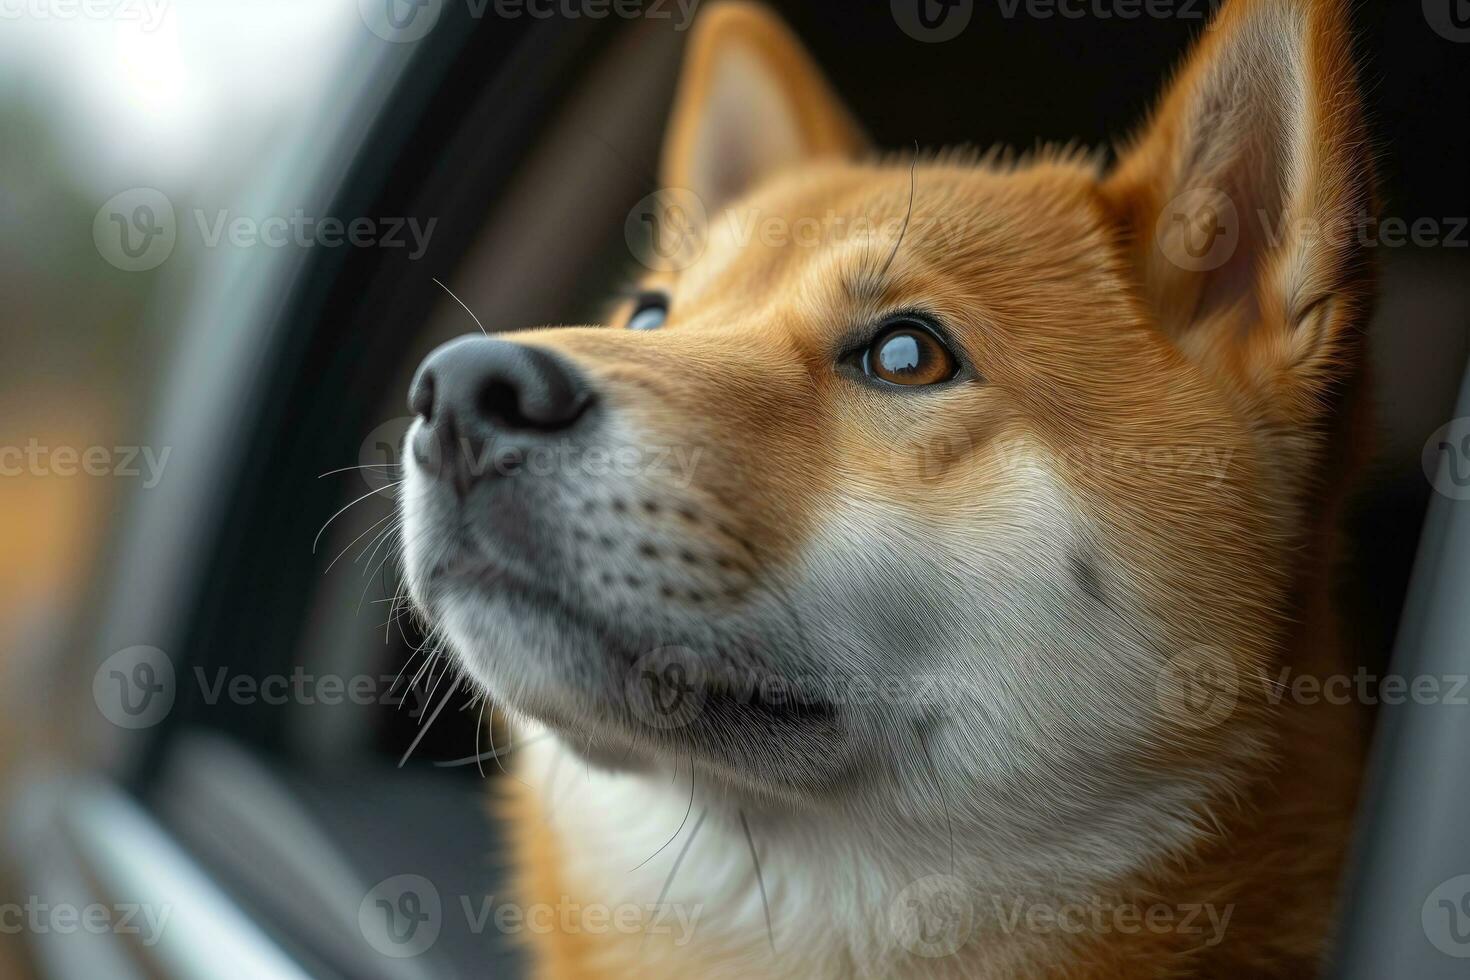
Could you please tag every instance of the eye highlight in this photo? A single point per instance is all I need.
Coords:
(907, 352)
(650, 310)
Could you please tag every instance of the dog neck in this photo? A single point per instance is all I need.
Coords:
(725, 891)
(657, 877)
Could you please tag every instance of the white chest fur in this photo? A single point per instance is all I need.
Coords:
(844, 900)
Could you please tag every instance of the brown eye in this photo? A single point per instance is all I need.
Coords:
(908, 354)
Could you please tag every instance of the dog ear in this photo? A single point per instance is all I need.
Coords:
(750, 102)
(1243, 199)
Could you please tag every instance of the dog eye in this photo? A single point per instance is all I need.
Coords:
(907, 353)
(650, 310)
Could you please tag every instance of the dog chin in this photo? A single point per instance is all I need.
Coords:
(528, 653)
(622, 702)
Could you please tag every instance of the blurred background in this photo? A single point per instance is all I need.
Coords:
(509, 148)
(189, 96)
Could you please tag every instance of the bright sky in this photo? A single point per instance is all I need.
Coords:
(162, 90)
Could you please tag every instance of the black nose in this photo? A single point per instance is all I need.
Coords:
(487, 402)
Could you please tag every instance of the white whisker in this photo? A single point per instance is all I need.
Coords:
(354, 541)
(365, 466)
(466, 308)
(317, 540)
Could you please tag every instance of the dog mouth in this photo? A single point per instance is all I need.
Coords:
(633, 617)
(669, 690)
(678, 692)
(670, 680)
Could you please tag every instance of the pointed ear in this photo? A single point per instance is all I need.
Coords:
(750, 103)
(1243, 197)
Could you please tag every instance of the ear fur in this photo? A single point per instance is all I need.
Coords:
(1243, 198)
(750, 103)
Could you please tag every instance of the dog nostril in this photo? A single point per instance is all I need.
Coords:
(500, 402)
(527, 390)
(473, 391)
(421, 397)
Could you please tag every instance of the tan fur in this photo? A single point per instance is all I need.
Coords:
(1098, 351)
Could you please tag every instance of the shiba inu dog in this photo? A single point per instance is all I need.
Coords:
(891, 587)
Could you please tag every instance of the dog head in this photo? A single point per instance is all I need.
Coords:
(999, 464)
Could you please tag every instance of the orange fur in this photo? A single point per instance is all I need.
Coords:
(1098, 352)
